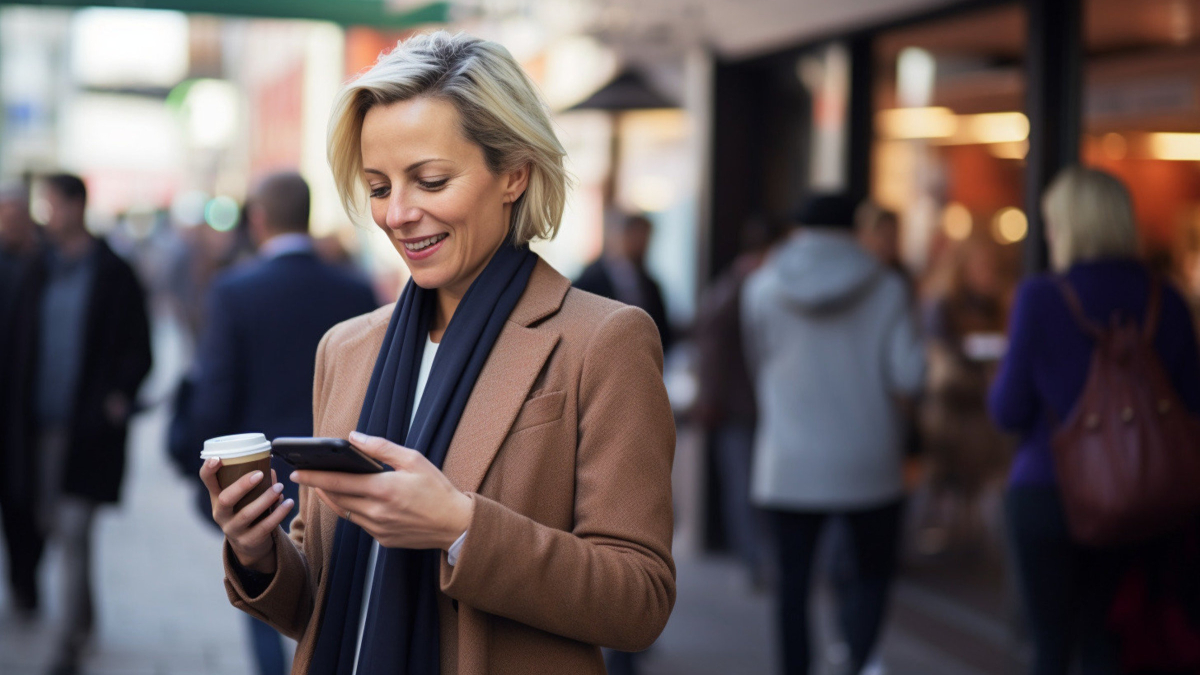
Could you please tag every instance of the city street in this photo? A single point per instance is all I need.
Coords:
(163, 611)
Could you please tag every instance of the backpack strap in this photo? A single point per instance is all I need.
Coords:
(1076, 309)
(1153, 308)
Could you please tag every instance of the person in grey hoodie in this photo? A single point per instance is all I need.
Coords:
(833, 348)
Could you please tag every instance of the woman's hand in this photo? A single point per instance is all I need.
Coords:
(251, 542)
(414, 506)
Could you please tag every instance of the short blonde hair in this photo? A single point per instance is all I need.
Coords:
(500, 110)
(1089, 215)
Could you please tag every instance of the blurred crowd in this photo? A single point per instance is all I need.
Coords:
(840, 392)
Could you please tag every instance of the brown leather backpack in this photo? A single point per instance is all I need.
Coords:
(1128, 455)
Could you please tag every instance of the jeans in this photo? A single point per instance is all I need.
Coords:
(267, 646)
(73, 530)
(862, 591)
(1066, 589)
(24, 541)
(734, 445)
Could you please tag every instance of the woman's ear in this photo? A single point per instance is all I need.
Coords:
(516, 181)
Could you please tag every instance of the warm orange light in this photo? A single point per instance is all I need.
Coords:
(916, 123)
(1172, 146)
(1009, 225)
(956, 221)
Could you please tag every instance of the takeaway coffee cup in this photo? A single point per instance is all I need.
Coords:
(240, 454)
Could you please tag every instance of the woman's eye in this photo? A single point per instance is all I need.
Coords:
(379, 192)
(432, 184)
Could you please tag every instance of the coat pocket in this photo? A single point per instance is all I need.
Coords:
(539, 410)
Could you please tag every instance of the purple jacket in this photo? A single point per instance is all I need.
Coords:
(1047, 364)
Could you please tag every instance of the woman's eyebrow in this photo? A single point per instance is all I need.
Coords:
(410, 167)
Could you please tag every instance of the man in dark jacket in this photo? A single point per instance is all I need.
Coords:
(254, 371)
(620, 272)
(21, 251)
(81, 351)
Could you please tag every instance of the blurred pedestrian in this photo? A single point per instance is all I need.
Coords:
(84, 352)
(620, 271)
(967, 455)
(878, 231)
(21, 251)
(725, 400)
(1067, 588)
(258, 348)
(830, 344)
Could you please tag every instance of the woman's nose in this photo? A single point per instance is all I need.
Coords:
(401, 212)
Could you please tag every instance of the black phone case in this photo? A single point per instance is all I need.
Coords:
(323, 454)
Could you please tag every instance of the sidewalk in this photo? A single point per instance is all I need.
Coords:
(161, 607)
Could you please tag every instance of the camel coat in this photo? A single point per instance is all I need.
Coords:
(565, 447)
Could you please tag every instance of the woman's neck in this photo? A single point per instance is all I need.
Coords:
(447, 303)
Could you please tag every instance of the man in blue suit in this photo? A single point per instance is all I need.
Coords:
(259, 344)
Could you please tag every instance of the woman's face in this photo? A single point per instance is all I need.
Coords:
(432, 193)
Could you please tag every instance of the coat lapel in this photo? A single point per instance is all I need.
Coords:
(504, 383)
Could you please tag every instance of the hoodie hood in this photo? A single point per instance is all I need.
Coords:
(819, 271)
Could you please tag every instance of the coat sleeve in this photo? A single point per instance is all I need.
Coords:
(1013, 400)
(216, 394)
(134, 359)
(288, 602)
(905, 350)
(610, 581)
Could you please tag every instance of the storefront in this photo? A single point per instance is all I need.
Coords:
(958, 119)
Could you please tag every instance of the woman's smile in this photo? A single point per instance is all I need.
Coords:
(423, 247)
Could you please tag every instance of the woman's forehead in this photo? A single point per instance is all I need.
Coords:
(402, 133)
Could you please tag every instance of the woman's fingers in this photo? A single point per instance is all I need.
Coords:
(208, 475)
(336, 481)
(247, 514)
(363, 508)
(233, 494)
(330, 502)
(268, 524)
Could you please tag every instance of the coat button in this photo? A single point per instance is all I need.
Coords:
(1164, 406)
(1127, 414)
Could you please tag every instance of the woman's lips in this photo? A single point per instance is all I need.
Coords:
(424, 252)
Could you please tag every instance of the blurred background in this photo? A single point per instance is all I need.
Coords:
(707, 116)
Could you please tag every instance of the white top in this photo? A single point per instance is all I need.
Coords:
(431, 348)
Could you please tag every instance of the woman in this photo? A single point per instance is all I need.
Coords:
(1067, 588)
(528, 519)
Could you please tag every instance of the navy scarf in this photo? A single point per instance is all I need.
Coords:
(401, 633)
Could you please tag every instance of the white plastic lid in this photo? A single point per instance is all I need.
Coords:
(237, 445)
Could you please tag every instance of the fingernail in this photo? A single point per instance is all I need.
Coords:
(293, 477)
(278, 487)
(287, 504)
(257, 476)
(357, 436)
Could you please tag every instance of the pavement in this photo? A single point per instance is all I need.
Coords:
(162, 609)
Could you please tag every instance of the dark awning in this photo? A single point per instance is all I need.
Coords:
(627, 91)
(376, 13)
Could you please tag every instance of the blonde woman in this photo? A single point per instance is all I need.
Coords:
(1066, 588)
(527, 521)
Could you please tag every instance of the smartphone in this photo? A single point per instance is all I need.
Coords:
(323, 454)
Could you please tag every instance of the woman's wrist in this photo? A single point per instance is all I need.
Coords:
(264, 564)
(461, 515)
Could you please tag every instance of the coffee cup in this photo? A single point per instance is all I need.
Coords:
(240, 454)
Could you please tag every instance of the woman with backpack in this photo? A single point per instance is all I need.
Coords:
(1062, 330)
